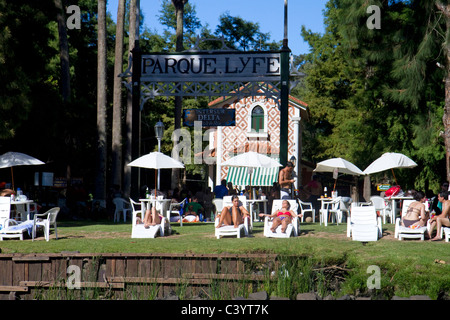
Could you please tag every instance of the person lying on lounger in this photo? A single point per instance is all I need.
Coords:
(283, 216)
(191, 215)
(152, 218)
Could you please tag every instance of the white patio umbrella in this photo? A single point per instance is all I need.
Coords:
(339, 164)
(252, 159)
(390, 160)
(156, 160)
(13, 159)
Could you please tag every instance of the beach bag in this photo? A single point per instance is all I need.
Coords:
(392, 191)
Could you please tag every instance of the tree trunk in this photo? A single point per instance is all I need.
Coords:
(100, 180)
(117, 98)
(132, 36)
(179, 11)
(63, 51)
(445, 9)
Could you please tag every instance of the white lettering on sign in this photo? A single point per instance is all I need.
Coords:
(211, 66)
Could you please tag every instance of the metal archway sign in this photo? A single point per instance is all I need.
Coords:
(211, 73)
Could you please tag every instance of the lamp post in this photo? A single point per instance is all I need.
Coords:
(293, 159)
(159, 132)
(284, 92)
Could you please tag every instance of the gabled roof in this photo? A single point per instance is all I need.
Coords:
(224, 102)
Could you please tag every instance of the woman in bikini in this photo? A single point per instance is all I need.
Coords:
(233, 215)
(283, 216)
(416, 215)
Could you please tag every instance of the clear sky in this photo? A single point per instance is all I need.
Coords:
(268, 13)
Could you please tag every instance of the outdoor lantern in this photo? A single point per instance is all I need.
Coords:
(159, 130)
(293, 159)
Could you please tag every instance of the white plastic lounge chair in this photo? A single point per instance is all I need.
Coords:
(227, 202)
(5, 210)
(365, 225)
(353, 205)
(244, 228)
(292, 229)
(380, 205)
(46, 223)
(121, 206)
(139, 231)
(405, 232)
(307, 207)
(14, 229)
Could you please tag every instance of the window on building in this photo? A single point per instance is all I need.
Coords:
(258, 119)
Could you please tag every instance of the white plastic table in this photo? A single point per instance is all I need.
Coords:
(28, 204)
(250, 203)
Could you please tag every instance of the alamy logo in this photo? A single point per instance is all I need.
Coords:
(374, 281)
(73, 21)
(374, 21)
(74, 278)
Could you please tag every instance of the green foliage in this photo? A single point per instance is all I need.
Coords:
(375, 91)
(168, 17)
(243, 35)
(23, 72)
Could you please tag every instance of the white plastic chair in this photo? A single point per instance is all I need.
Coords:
(405, 232)
(175, 208)
(292, 229)
(332, 207)
(46, 223)
(446, 231)
(306, 207)
(121, 206)
(5, 210)
(365, 225)
(218, 204)
(380, 205)
(21, 213)
(136, 209)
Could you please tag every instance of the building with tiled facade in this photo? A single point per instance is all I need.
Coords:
(257, 128)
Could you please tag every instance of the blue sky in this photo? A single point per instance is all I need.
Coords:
(268, 13)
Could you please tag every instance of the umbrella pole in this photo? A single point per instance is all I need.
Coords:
(250, 195)
(155, 182)
(334, 187)
(394, 176)
(12, 178)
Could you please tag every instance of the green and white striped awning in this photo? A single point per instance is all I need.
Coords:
(239, 176)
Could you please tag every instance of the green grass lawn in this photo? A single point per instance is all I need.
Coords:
(407, 267)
